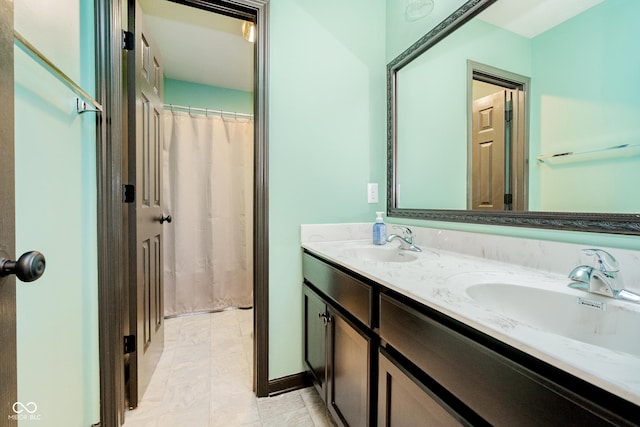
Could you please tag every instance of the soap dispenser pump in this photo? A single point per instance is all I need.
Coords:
(379, 230)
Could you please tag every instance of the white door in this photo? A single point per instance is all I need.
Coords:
(488, 153)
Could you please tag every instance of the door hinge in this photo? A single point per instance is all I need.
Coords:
(508, 110)
(127, 40)
(508, 199)
(129, 344)
(128, 193)
(98, 424)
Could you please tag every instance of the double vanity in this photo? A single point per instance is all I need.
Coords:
(472, 330)
(481, 329)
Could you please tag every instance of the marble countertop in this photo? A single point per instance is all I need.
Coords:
(440, 280)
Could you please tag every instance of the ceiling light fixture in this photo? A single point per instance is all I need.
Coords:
(249, 31)
(417, 9)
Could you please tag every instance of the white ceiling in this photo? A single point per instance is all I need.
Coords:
(208, 48)
(532, 17)
(199, 46)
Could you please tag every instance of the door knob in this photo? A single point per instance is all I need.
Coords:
(164, 218)
(29, 267)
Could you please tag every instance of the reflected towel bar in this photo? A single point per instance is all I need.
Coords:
(34, 53)
(613, 151)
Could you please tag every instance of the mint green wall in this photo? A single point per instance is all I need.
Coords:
(565, 116)
(440, 76)
(179, 92)
(326, 141)
(400, 36)
(401, 33)
(581, 83)
(57, 323)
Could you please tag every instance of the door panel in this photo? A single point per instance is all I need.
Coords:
(488, 152)
(315, 340)
(349, 369)
(145, 230)
(8, 368)
(146, 286)
(404, 403)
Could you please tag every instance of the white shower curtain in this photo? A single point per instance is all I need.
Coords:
(208, 170)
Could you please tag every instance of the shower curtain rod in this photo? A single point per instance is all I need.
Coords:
(207, 111)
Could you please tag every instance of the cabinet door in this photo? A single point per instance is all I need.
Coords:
(315, 339)
(404, 403)
(349, 372)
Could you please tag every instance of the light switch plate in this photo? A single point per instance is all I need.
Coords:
(372, 192)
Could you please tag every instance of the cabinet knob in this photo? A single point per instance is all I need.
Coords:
(29, 267)
(326, 318)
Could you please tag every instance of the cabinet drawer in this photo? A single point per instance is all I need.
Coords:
(353, 295)
(499, 390)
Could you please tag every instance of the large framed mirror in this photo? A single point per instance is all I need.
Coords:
(520, 113)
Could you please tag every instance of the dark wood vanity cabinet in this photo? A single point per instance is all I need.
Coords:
(404, 401)
(339, 349)
(487, 381)
(380, 358)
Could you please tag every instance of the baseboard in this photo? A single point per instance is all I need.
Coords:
(289, 383)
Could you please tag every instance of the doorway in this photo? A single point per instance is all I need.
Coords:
(208, 156)
(497, 139)
(111, 270)
(191, 164)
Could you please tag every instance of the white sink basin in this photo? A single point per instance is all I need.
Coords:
(379, 254)
(613, 326)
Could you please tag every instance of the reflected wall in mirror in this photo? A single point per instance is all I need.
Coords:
(580, 117)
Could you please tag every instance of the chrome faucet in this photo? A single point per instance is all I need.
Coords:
(603, 279)
(406, 240)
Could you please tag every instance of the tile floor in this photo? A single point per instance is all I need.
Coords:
(204, 379)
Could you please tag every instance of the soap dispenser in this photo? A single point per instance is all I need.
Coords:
(379, 230)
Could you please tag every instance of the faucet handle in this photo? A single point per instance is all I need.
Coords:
(406, 231)
(606, 262)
